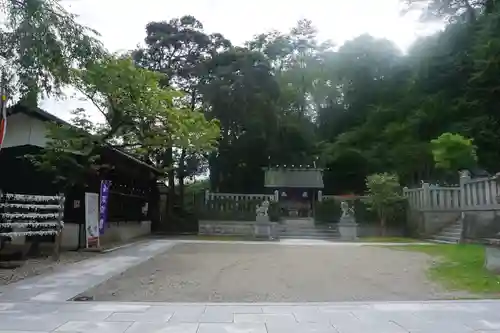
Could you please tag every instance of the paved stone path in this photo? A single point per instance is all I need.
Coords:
(37, 305)
(69, 281)
(389, 317)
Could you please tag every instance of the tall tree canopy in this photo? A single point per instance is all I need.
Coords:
(288, 98)
(41, 44)
(178, 49)
(362, 108)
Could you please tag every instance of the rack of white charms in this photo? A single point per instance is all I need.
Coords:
(30, 215)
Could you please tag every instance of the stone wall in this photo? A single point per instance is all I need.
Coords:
(116, 232)
(246, 229)
(426, 223)
(372, 230)
(70, 235)
(125, 231)
(479, 225)
(231, 228)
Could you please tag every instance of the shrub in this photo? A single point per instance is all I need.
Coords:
(385, 197)
(327, 211)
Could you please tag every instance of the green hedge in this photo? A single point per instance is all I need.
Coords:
(328, 211)
(233, 210)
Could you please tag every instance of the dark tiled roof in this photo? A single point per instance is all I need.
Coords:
(46, 116)
(294, 178)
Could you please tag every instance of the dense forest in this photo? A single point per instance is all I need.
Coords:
(284, 98)
(358, 108)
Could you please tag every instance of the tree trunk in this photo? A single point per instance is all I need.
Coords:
(181, 176)
(382, 219)
(171, 182)
(383, 227)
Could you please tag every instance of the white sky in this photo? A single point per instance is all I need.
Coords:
(122, 22)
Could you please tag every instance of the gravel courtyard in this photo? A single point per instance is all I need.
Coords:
(275, 273)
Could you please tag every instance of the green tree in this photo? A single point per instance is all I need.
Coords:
(384, 195)
(453, 10)
(41, 44)
(140, 116)
(453, 152)
(179, 48)
(240, 91)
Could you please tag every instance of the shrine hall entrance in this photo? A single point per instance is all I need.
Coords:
(296, 202)
(297, 187)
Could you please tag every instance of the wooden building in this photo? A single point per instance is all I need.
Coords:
(133, 181)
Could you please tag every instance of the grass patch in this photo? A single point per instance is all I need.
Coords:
(459, 267)
(388, 240)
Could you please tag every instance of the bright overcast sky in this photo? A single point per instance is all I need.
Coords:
(122, 22)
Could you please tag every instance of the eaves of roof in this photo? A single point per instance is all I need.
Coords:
(46, 116)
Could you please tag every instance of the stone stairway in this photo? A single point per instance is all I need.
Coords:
(448, 235)
(304, 228)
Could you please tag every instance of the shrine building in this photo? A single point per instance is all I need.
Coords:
(132, 180)
(297, 187)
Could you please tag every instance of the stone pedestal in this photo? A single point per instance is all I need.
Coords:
(262, 219)
(275, 231)
(348, 228)
(348, 231)
(492, 260)
(263, 227)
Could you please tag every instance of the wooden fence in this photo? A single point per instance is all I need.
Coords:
(234, 206)
(326, 197)
(209, 196)
(472, 194)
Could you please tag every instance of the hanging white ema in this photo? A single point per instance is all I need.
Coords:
(283, 194)
(31, 198)
(30, 216)
(29, 233)
(304, 195)
(29, 224)
(33, 207)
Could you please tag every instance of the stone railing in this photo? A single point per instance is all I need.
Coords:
(472, 194)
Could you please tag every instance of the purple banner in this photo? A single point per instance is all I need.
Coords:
(103, 205)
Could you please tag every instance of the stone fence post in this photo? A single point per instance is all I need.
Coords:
(464, 178)
(426, 196)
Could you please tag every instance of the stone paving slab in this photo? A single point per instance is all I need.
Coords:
(71, 280)
(388, 317)
(304, 242)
